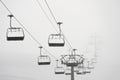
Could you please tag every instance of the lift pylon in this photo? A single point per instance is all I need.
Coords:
(73, 61)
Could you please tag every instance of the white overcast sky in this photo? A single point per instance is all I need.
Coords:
(81, 19)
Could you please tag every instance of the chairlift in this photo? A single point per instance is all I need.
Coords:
(90, 65)
(56, 40)
(58, 69)
(94, 60)
(75, 69)
(87, 70)
(81, 70)
(86, 67)
(68, 71)
(43, 59)
(14, 33)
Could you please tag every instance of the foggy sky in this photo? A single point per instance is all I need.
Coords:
(81, 19)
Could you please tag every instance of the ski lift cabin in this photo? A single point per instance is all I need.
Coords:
(90, 65)
(81, 71)
(58, 69)
(68, 71)
(43, 59)
(87, 70)
(14, 33)
(56, 40)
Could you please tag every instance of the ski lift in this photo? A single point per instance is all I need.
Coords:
(90, 65)
(43, 59)
(87, 70)
(94, 60)
(68, 71)
(14, 33)
(58, 69)
(75, 69)
(56, 40)
(81, 70)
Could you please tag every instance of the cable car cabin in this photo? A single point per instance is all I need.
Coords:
(15, 34)
(44, 60)
(56, 40)
(68, 71)
(75, 69)
(87, 70)
(59, 70)
(81, 71)
(91, 66)
(93, 60)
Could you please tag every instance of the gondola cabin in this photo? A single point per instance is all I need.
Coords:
(15, 34)
(44, 60)
(59, 70)
(81, 71)
(56, 40)
(87, 70)
(68, 71)
(91, 66)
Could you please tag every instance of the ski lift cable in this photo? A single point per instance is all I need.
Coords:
(26, 29)
(57, 23)
(45, 13)
(51, 12)
(51, 21)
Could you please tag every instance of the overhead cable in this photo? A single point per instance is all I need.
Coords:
(26, 29)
